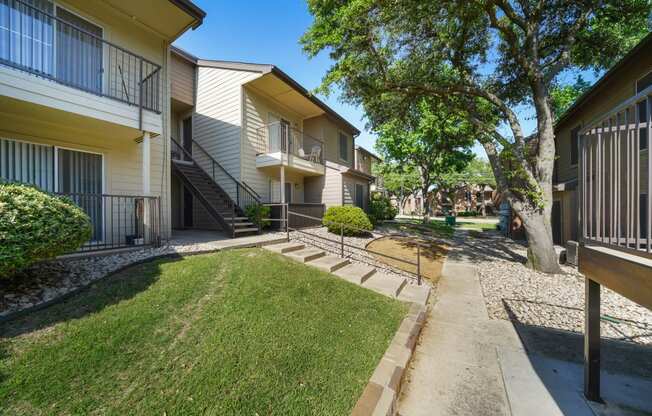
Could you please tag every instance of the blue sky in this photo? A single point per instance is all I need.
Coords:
(268, 32)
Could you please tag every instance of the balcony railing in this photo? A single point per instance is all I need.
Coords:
(615, 172)
(281, 137)
(119, 221)
(50, 42)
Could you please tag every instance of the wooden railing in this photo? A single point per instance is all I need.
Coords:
(614, 173)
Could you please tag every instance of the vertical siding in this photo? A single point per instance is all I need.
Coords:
(217, 121)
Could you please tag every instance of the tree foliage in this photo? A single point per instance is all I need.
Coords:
(484, 58)
(430, 137)
(563, 96)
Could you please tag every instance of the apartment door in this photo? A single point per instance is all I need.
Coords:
(187, 208)
(359, 195)
(288, 192)
(83, 68)
(556, 222)
(79, 174)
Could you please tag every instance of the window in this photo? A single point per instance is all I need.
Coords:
(643, 118)
(644, 82)
(575, 144)
(344, 147)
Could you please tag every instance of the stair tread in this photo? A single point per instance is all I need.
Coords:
(329, 263)
(415, 293)
(385, 284)
(356, 272)
(285, 247)
(245, 230)
(306, 254)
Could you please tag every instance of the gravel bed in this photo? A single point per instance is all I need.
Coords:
(315, 238)
(514, 292)
(46, 281)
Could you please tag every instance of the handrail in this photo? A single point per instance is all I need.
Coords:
(418, 244)
(111, 59)
(263, 132)
(216, 163)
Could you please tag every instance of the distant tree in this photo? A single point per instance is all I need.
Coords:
(477, 172)
(429, 137)
(486, 58)
(400, 181)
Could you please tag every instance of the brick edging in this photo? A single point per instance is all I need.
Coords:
(381, 393)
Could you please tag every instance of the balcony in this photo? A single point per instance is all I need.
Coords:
(292, 148)
(54, 58)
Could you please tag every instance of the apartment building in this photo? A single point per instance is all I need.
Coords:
(365, 162)
(84, 107)
(627, 84)
(248, 134)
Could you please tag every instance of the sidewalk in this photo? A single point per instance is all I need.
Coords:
(455, 369)
(468, 364)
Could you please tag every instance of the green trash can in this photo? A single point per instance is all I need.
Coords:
(450, 220)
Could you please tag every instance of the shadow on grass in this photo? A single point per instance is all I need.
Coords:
(617, 356)
(107, 291)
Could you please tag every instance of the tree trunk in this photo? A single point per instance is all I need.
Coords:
(541, 255)
(426, 204)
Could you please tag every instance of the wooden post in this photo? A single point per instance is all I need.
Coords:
(592, 340)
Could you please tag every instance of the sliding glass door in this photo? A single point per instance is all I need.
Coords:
(79, 174)
(67, 48)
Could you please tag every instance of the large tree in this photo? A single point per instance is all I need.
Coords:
(431, 138)
(477, 173)
(484, 57)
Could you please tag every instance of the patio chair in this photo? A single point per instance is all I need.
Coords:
(315, 154)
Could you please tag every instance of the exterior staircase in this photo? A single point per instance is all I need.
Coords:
(358, 273)
(227, 211)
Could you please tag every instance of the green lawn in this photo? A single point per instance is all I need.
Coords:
(241, 332)
(439, 228)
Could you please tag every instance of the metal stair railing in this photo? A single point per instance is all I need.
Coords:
(244, 194)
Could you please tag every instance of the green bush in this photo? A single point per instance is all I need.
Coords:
(353, 219)
(259, 215)
(35, 225)
(381, 209)
(467, 214)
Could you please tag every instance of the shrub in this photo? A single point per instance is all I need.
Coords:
(381, 209)
(353, 219)
(259, 215)
(35, 225)
(467, 214)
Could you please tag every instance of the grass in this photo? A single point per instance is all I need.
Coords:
(237, 332)
(439, 228)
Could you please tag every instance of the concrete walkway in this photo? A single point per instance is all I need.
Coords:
(468, 364)
(455, 369)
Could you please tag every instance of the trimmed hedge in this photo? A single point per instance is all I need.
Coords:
(35, 225)
(353, 219)
(381, 209)
(468, 214)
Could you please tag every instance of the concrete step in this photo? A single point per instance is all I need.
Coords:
(388, 285)
(245, 230)
(356, 272)
(305, 255)
(285, 247)
(415, 293)
(329, 263)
